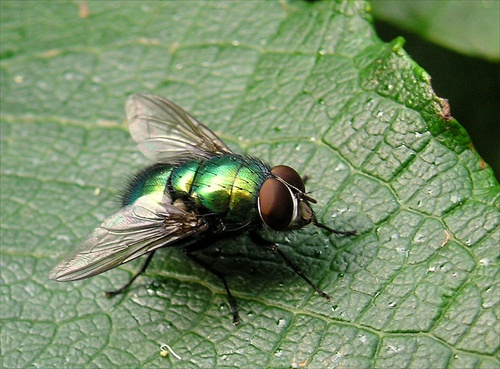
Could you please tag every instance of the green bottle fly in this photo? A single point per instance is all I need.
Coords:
(197, 191)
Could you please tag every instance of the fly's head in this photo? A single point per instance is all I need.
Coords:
(283, 203)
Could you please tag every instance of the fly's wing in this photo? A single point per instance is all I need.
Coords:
(165, 132)
(133, 231)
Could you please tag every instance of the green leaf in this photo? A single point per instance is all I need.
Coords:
(308, 85)
(469, 27)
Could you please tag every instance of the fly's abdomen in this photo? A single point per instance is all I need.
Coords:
(182, 178)
(150, 181)
(225, 185)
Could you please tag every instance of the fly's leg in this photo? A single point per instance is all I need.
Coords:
(139, 272)
(331, 230)
(256, 238)
(325, 227)
(232, 300)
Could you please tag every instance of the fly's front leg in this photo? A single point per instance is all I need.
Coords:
(271, 246)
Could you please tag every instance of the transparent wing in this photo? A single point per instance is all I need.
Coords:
(164, 131)
(133, 231)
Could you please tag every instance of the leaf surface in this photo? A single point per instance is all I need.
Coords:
(307, 85)
(469, 27)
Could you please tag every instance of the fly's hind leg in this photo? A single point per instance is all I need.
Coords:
(134, 277)
(271, 246)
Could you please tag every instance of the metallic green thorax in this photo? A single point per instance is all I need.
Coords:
(224, 185)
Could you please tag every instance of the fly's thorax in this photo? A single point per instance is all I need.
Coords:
(225, 185)
(149, 181)
(246, 187)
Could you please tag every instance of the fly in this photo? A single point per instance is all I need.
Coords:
(197, 191)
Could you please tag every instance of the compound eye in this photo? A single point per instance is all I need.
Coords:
(276, 204)
(289, 175)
